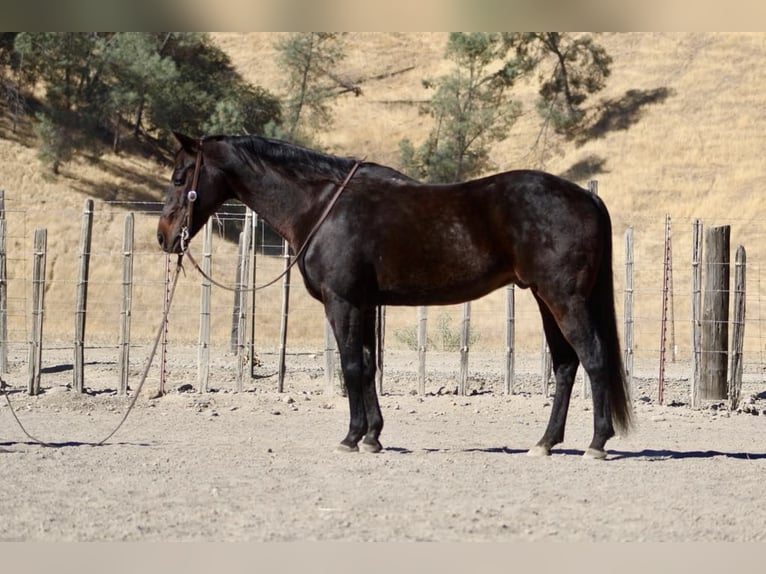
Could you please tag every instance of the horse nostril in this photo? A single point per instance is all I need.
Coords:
(161, 239)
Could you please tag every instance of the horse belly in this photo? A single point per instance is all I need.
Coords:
(443, 282)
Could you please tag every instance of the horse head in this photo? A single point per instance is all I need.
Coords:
(195, 191)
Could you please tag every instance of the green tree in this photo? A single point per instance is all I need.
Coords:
(100, 86)
(472, 108)
(64, 64)
(309, 60)
(10, 90)
(571, 68)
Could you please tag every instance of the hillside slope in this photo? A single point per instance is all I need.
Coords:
(683, 136)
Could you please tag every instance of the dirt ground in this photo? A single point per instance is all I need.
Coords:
(260, 465)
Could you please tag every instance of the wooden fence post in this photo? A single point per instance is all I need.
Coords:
(3, 299)
(380, 323)
(251, 355)
(329, 357)
(283, 327)
(38, 307)
(127, 303)
(738, 328)
(422, 345)
(628, 308)
(696, 311)
(242, 290)
(78, 377)
(237, 303)
(203, 349)
(510, 337)
(3, 288)
(545, 367)
(465, 336)
(593, 188)
(715, 314)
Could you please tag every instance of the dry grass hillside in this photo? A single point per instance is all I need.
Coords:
(681, 133)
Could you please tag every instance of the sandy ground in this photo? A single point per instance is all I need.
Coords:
(262, 466)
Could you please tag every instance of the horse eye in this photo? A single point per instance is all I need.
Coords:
(178, 178)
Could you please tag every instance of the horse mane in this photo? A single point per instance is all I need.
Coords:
(290, 159)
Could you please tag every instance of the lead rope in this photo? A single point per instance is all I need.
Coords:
(138, 389)
(192, 196)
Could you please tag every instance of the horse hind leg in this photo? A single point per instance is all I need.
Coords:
(584, 336)
(565, 363)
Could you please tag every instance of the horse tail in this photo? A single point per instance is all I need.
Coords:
(603, 309)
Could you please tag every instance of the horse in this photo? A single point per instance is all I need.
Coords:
(383, 238)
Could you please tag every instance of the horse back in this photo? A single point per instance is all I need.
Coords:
(403, 242)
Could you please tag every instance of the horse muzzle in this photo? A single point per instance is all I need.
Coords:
(170, 240)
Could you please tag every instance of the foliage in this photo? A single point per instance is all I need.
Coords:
(471, 108)
(447, 338)
(106, 86)
(408, 336)
(309, 60)
(571, 68)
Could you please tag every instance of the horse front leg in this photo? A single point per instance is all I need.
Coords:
(356, 344)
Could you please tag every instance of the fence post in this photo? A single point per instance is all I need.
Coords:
(38, 307)
(3, 288)
(380, 321)
(242, 289)
(666, 298)
(78, 382)
(203, 350)
(738, 328)
(593, 188)
(329, 357)
(283, 327)
(628, 307)
(715, 326)
(465, 335)
(253, 266)
(164, 339)
(545, 366)
(510, 335)
(422, 344)
(127, 303)
(234, 338)
(696, 311)
(3, 300)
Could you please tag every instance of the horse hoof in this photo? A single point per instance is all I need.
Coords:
(594, 454)
(372, 447)
(539, 451)
(346, 448)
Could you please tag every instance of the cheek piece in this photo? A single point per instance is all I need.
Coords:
(191, 196)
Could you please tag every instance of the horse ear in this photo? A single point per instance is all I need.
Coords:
(187, 143)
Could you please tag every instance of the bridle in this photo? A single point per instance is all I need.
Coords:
(191, 197)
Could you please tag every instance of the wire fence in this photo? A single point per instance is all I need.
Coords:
(306, 324)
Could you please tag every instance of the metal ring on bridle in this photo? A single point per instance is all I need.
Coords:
(191, 196)
(184, 239)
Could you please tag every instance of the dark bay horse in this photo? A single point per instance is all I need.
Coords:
(390, 240)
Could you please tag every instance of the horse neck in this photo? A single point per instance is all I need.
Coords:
(288, 207)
